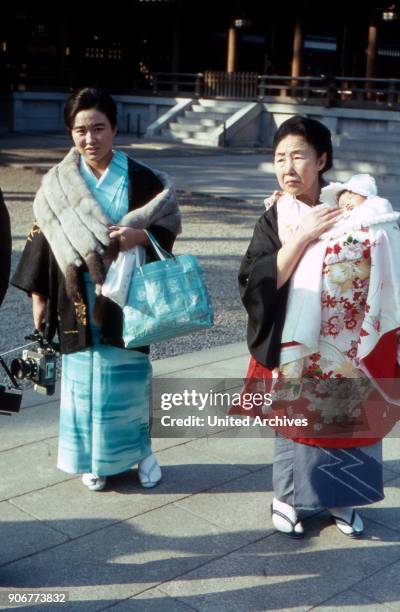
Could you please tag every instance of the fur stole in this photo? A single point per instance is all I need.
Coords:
(77, 229)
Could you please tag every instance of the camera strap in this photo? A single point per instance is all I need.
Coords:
(18, 348)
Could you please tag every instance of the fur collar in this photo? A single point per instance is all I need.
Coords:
(76, 227)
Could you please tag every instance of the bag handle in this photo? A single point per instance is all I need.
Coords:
(161, 253)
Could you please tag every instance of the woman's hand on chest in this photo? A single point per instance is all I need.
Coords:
(316, 223)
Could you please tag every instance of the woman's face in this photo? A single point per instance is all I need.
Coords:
(297, 166)
(93, 135)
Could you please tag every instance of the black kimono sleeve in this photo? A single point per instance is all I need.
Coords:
(33, 271)
(5, 248)
(264, 303)
(164, 237)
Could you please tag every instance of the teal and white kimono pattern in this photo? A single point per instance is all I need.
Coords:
(105, 391)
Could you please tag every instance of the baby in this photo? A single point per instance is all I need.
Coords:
(359, 200)
(358, 189)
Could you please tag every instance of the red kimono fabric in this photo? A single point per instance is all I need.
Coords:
(375, 415)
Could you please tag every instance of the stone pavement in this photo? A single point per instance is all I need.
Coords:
(202, 540)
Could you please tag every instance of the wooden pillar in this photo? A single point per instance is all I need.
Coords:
(297, 47)
(232, 49)
(371, 49)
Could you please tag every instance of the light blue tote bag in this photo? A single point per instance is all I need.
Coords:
(167, 298)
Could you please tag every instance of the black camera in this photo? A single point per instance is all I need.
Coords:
(39, 366)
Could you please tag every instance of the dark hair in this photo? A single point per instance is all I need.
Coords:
(314, 132)
(90, 97)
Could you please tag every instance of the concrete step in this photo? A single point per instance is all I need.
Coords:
(392, 136)
(366, 155)
(359, 146)
(204, 143)
(213, 114)
(194, 119)
(178, 135)
(178, 128)
(190, 136)
(167, 136)
(366, 166)
(225, 105)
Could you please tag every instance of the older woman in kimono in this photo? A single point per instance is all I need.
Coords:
(320, 315)
(95, 201)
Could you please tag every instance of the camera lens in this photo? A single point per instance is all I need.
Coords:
(21, 368)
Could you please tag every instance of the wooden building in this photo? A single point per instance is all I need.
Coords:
(58, 47)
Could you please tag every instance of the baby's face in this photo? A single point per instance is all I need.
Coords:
(349, 199)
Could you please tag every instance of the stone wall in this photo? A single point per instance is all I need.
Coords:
(43, 112)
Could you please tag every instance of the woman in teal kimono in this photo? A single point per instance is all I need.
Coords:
(95, 202)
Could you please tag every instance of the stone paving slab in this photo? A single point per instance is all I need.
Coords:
(206, 357)
(153, 600)
(187, 471)
(387, 512)
(234, 368)
(351, 601)
(322, 564)
(240, 505)
(383, 586)
(158, 444)
(287, 574)
(225, 584)
(22, 534)
(251, 454)
(123, 499)
(123, 560)
(28, 468)
(30, 425)
(391, 452)
(388, 475)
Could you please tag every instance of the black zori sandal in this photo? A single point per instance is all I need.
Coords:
(347, 527)
(296, 535)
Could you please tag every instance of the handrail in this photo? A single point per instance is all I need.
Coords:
(330, 90)
(326, 78)
(188, 74)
